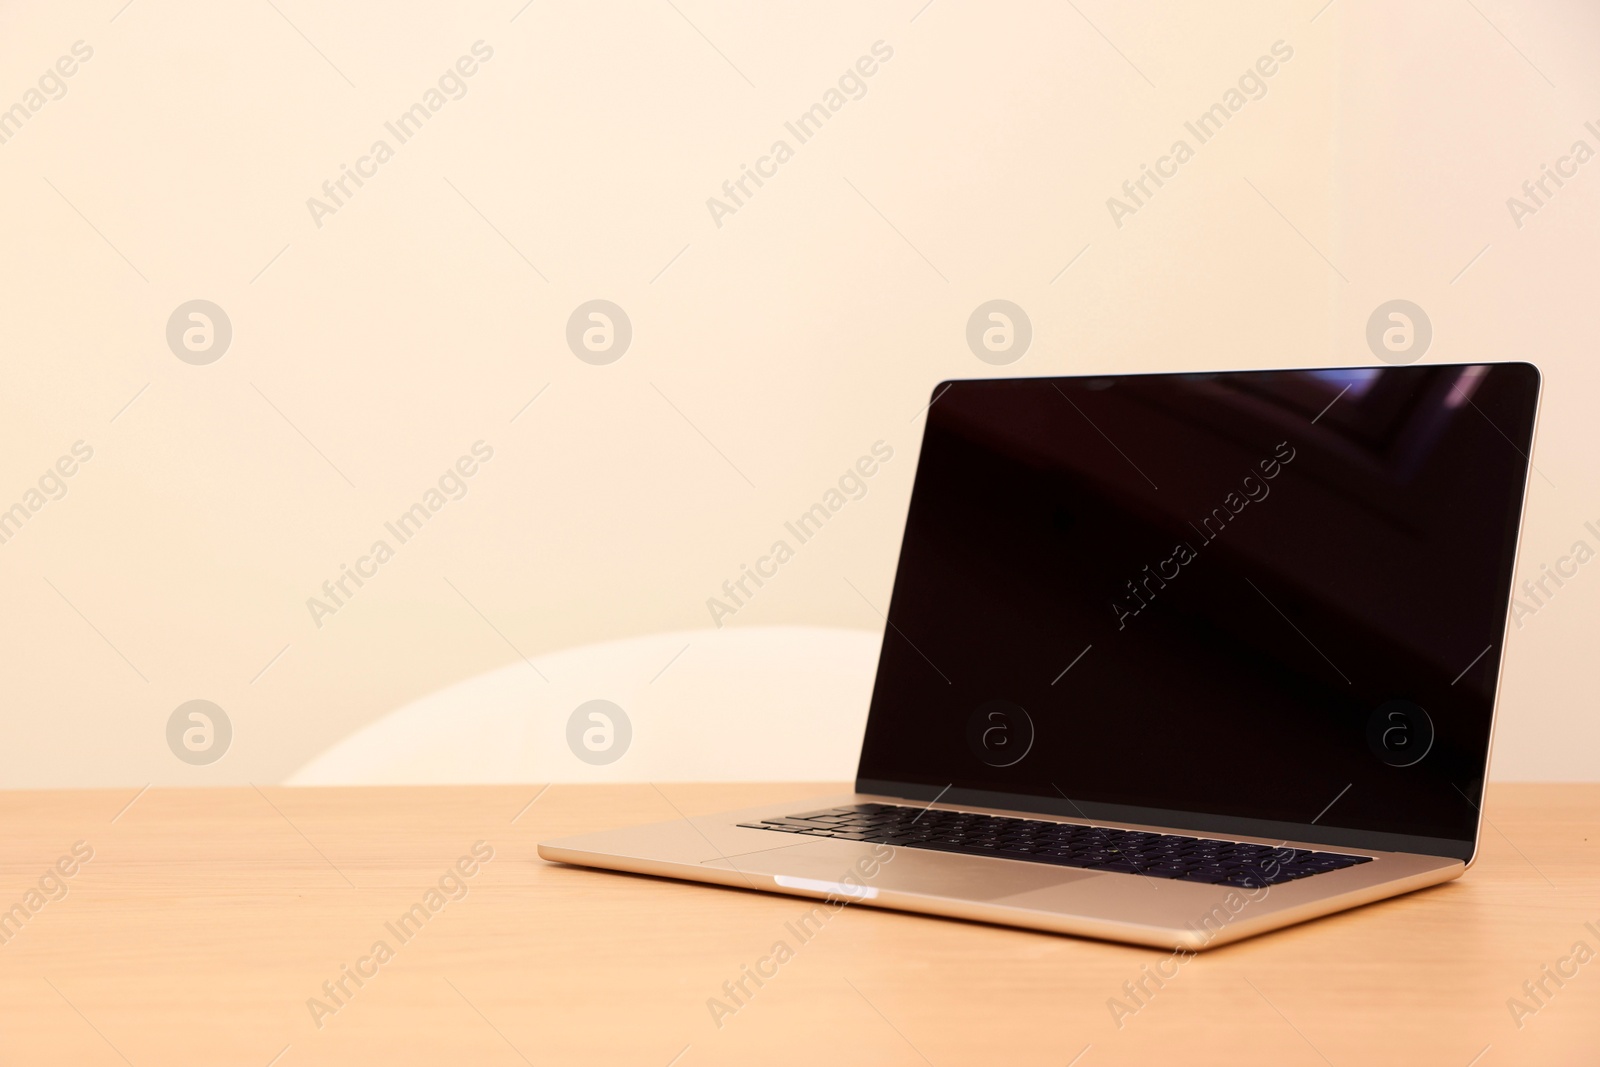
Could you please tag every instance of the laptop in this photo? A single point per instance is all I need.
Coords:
(1170, 659)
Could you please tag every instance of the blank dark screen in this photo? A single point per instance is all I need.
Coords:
(1226, 594)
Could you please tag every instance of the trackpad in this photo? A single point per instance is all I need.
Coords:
(823, 866)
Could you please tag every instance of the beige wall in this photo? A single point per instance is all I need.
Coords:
(424, 313)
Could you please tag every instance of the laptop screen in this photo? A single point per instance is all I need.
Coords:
(1273, 602)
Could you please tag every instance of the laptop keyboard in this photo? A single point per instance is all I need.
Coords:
(1095, 848)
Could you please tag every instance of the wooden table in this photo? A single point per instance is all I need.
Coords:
(207, 919)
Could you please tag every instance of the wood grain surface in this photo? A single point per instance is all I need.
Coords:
(223, 926)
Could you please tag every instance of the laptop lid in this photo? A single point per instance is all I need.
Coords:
(1268, 603)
